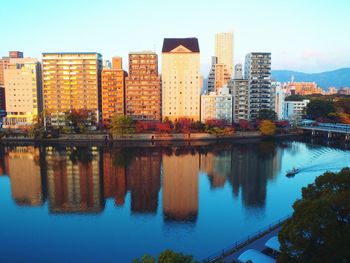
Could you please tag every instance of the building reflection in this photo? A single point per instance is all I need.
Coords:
(22, 165)
(252, 166)
(180, 185)
(217, 166)
(74, 184)
(80, 179)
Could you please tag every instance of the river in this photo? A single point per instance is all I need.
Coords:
(105, 204)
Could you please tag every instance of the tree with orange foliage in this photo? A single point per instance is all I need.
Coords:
(267, 128)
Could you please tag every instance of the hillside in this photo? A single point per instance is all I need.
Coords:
(337, 78)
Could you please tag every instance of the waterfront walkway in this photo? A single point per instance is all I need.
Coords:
(258, 244)
(256, 241)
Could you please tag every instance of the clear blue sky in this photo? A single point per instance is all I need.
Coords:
(304, 35)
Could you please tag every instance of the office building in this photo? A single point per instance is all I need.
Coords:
(217, 106)
(218, 76)
(294, 110)
(224, 50)
(142, 90)
(113, 90)
(23, 97)
(181, 78)
(258, 73)
(71, 81)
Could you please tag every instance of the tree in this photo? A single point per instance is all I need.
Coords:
(245, 125)
(319, 109)
(295, 97)
(319, 229)
(267, 127)
(122, 125)
(266, 114)
(169, 256)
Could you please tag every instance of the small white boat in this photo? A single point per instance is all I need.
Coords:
(292, 172)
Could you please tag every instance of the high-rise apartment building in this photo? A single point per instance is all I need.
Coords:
(142, 90)
(218, 77)
(181, 78)
(217, 105)
(23, 97)
(113, 90)
(258, 73)
(239, 88)
(224, 50)
(71, 81)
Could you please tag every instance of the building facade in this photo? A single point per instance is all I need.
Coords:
(181, 78)
(294, 110)
(23, 97)
(218, 77)
(239, 88)
(224, 50)
(217, 105)
(113, 90)
(258, 73)
(279, 97)
(142, 90)
(71, 81)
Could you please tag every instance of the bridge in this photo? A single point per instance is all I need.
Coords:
(332, 129)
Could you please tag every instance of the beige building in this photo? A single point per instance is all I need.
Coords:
(71, 81)
(22, 81)
(224, 50)
(181, 78)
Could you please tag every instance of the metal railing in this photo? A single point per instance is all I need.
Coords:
(245, 242)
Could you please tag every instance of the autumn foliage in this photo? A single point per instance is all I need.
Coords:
(267, 127)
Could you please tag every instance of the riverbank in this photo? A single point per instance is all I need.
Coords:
(151, 138)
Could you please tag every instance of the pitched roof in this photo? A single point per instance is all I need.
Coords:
(189, 43)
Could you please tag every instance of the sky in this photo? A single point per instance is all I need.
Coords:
(303, 35)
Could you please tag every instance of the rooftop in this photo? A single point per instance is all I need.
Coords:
(190, 43)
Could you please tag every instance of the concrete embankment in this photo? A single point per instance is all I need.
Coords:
(148, 139)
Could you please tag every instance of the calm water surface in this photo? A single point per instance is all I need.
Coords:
(90, 204)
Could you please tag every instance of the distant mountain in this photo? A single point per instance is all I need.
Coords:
(337, 78)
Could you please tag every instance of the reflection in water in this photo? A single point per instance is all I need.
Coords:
(80, 179)
(23, 167)
(73, 183)
(180, 186)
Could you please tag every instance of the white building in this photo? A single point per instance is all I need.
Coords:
(294, 110)
(277, 98)
(217, 105)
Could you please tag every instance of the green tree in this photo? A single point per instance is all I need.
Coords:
(319, 229)
(169, 256)
(295, 97)
(122, 125)
(145, 259)
(266, 114)
(319, 109)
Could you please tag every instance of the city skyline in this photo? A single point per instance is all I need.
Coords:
(300, 44)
